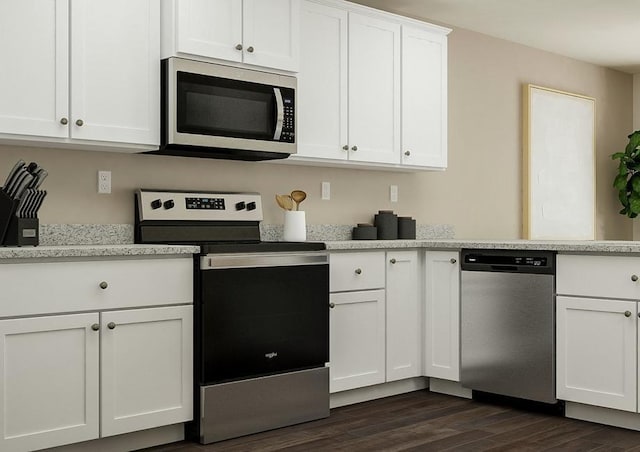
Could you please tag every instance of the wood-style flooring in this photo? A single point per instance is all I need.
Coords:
(426, 421)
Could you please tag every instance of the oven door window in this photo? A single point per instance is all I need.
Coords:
(208, 105)
(262, 321)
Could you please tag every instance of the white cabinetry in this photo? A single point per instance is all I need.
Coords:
(81, 75)
(49, 381)
(376, 318)
(597, 348)
(404, 316)
(442, 315)
(75, 377)
(424, 98)
(351, 88)
(257, 32)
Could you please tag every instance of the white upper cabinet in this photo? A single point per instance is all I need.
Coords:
(34, 81)
(424, 98)
(81, 74)
(371, 89)
(261, 33)
(322, 82)
(374, 90)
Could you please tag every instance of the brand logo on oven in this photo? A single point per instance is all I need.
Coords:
(271, 355)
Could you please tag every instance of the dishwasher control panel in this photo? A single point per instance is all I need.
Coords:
(515, 261)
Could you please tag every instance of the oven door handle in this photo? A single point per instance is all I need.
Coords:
(224, 261)
(279, 114)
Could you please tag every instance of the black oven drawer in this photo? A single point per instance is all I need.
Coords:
(263, 320)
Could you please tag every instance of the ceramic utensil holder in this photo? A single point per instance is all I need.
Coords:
(406, 228)
(295, 226)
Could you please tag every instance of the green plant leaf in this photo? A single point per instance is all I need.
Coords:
(624, 199)
(618, 155)
(634, 203)
(620, 182)
(635, 183)
(634, 142)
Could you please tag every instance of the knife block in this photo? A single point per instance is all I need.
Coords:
(16, 231)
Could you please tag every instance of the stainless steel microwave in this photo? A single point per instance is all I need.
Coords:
(216, 111)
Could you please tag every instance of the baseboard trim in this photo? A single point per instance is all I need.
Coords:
(607, 416)
(452, 388)
(365, 394)
(128, 441)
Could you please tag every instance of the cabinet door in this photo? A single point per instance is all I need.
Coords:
(49, 384)
(115, 71)
(34, 81)
(357, 340)
(424, 98)
(322, 82)
(404, 316)
(596, 352)
(270, 33)
(374, 90)
(146, 362)
(442, 315)
(209, 28)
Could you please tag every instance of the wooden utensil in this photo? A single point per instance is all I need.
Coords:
(298, 196)
(285, 202)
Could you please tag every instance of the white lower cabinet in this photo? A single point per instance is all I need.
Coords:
(146, 368)
(79, 376)
(404, 316)
(376, 318)
(442, 315)
(357, 339)
(597, 352)
(49, 385)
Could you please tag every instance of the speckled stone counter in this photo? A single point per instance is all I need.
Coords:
(564, 246)
(69, 251)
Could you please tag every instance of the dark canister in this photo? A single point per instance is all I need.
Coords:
(406, 228)
(365, 232)
(387, 223)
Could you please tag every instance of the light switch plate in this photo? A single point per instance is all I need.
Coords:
(104, 182)
(393, 193)
(326, 191)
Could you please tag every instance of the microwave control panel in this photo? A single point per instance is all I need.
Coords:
(288, 124)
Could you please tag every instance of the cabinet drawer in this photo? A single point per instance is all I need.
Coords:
(598, 276)
(356, 271)
(55, 287)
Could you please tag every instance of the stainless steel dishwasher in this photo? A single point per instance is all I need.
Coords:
(508, 323)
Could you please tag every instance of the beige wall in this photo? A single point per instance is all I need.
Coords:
(480, 193)
(636, 102)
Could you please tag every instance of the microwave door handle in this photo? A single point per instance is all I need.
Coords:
(279, 115)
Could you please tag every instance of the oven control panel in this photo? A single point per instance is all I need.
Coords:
(186, 206)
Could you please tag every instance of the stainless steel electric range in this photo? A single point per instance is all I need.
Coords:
(261, 313)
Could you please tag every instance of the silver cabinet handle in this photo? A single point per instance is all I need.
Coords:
(95, 327)
(407, 153)
(64, 121)
(345, 147)
(393, 261)
(239, 47)
(111, 325)
(79, 122)
(104, 285)
(354, 148)
(634, 278)
(452, 260)
(358, 271)
(250, 49)
(627, 313)
(332, 305)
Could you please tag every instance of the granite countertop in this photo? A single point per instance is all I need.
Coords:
(568, 246)
(62, 251)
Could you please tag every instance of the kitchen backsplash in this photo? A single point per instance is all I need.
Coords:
(117, 234)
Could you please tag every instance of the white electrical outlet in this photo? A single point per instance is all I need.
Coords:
(393, 193)
(326, 191)
(104, 182)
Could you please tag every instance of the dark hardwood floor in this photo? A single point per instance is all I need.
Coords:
(426, 421)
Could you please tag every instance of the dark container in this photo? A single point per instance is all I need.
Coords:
(365, 232)
(387, 223)
(406, 228)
